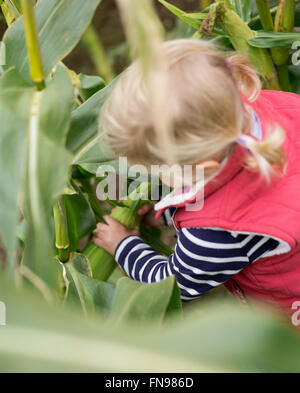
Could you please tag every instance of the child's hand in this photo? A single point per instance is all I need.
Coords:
(149, 216)
(109, 236)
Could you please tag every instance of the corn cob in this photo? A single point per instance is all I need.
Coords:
(239, 34)
(102, 262)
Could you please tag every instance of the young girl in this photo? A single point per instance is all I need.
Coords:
(248, 232)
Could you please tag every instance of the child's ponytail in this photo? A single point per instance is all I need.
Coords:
(266, 156)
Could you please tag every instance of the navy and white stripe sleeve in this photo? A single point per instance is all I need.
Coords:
(202, 259)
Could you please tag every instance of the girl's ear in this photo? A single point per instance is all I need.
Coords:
(211, 164)
(207, 168)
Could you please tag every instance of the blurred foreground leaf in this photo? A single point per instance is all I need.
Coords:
(143, 302)
(46, 173)
(33, 131)
(38, 338)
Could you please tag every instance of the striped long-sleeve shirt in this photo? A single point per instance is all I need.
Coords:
(203, 258)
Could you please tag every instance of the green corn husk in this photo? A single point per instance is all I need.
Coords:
(102, 262)
(239, 34)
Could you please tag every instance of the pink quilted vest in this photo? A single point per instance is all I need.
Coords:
(240, 200)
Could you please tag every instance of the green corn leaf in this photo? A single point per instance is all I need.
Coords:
(243, 9)
(134, 301)
(92, 295)
(89, 85)
(97, 53)
(81, 220)
(192, 19)
(265, 39)
(11, 10)
(21, 231)
(115, 276)
(115, 204)
(60, 24)
(15, 108)
(83, 139)
(92, 167)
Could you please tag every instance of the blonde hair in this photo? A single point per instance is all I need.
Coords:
(205, 105)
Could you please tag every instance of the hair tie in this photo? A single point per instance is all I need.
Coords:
(228, 62)
(242, 141)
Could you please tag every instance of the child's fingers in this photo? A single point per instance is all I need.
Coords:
(97, 241)
(100, 228)
(145, 209)
(109, 220)
(97, 234)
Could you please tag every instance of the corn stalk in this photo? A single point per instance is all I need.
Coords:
(33, 46)
(265, 15)
(284, 22)
(61, 231)
(97, 53)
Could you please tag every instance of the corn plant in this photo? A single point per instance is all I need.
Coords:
(50, 149)
(263, 31)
